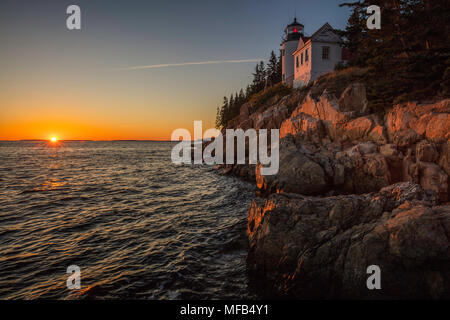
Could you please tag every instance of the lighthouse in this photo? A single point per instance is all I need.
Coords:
(293, 33)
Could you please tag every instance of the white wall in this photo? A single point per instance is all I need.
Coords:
(303, 72)
(321, 66)
(288, 61)
(316, 66)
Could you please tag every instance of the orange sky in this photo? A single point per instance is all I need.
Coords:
(103, 107)
(73, 129)
(89, 84)
(96, 103)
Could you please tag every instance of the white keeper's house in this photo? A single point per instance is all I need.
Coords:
(306, 58)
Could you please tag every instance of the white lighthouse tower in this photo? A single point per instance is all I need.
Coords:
(293, 33)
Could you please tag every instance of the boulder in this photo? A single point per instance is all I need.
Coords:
(444, 162)
(405, 138)
(270, 118)
(394, 161)
(366, 170)
(430, 121)
(432, 177)
(364, 148)
(438, 127)
(444, 159)
(247, 124)
(410, 169)
(357, 129)
(320, 247)
(389, 150)
(373, 175)
(425, 151)
(325, 109)
(308, 170)
(297, 173)
(303, 127)
(354, 99)
(378, 135)
(244, 112)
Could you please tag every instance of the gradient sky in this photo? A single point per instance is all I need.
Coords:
(84, 84)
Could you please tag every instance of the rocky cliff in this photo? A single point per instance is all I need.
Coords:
(355, 188)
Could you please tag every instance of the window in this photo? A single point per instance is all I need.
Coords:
(306, 55)
(301, 59)
(325, 53)
(296, 61)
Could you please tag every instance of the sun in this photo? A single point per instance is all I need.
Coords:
(53, 139)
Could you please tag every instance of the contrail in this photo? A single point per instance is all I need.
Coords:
(154, 66)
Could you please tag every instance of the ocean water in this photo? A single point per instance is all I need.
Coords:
(138, 226)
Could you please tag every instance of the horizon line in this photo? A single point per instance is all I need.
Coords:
(95, 140)
(18, 140)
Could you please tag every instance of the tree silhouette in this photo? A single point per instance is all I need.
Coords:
(263, 77)
(408, 58)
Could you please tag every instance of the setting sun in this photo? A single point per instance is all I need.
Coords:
(53, 139)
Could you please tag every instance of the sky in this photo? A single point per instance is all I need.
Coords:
(136, 69)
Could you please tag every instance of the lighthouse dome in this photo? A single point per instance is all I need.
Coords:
(294, 30)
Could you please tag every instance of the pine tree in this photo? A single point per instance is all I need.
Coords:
(259, 78)
(354, 33)
(218, 120)
(272, 69)
(237, 105)
(407, 57)
(256, 80)
(248, 92)
(279, 67)
(229, 109)
(242, 96)
(223, 113)
(263, 76)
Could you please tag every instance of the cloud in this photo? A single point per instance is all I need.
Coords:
(181, 64)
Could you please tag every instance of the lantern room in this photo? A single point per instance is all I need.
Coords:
(294, 30)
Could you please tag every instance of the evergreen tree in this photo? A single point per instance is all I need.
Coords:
(223, 113)
(248, 92)
(241, 97)
(272, 69)
(354, 33)
(259, 78)
(218, 120)
(230, 109)
(263, 79)
(256, 80)
(237, 105)
(279, 68)
(408, 56)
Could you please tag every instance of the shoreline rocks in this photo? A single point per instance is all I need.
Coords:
(419, 150)
(353, 189)
(320, 247)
